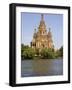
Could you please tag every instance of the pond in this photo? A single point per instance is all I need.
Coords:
(41, 67)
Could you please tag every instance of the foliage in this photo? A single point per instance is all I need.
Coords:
(61, 51)
(37, 52)
(30, 53)
(23, 47)
(27, 52)
(47, 54)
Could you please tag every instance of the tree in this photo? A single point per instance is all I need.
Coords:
(37, 51)
(61, 51)
(23, 47)
(47, 53)
(27, 52)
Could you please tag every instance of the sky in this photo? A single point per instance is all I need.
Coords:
(31, 21)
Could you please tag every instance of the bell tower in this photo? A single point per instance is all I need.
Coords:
(50, 41)
(42, 26)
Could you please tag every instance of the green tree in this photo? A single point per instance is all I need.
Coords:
(37, 51)
(61, 51)
(23, 47)
(48, 54)
(27, 52)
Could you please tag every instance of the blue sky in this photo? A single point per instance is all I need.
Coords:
(30, 21)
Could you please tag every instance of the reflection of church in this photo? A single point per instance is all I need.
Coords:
(42, 38)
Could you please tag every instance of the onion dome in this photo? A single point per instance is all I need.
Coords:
(34, 33)
(49, 33)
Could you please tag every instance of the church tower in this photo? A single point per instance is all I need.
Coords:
(50, 41)
(42, 26)
(42, 38)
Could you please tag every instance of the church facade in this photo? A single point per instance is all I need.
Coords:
(42, 38)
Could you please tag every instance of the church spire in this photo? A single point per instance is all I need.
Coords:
(42, 26)
(35, 30)
(42, 17)
(49, 33)
(49, 29)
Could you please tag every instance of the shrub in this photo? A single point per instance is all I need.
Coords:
(47, 54)
(37, 52)
(27, 53)
(61, 51)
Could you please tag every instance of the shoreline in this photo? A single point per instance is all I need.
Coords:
(42, 59)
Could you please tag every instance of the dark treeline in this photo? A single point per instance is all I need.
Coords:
(30, 53)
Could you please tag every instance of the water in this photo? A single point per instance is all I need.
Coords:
(47, 67)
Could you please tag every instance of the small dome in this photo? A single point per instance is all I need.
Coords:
(49, 33)
(35, 35)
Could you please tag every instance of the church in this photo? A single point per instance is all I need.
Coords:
(42, 38)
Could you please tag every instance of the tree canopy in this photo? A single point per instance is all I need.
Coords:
(30, 53)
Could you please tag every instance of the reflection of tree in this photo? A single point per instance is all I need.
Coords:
(41, 66)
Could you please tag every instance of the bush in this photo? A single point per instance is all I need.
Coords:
(28, 53)
(37, 52)
(47, 54)
(61, 51)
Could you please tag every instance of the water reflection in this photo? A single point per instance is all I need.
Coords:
(41, 67)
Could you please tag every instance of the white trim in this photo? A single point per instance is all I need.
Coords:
(63, 77)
